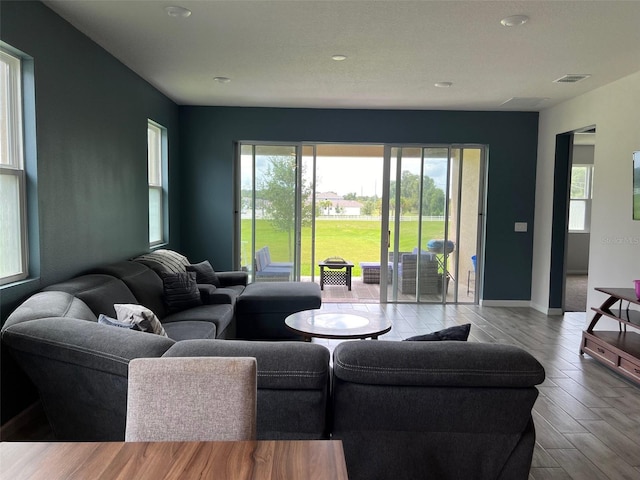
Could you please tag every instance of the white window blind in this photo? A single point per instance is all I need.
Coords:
(156, 155)
(580, 199)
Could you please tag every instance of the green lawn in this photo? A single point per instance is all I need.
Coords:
(354, 240)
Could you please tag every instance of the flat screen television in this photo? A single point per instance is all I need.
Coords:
(636, 185)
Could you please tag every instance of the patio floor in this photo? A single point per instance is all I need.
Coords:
(370, 293)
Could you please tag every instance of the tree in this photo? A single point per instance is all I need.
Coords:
(278, 190)
(432, 197)
(324, 207)
(371, 207)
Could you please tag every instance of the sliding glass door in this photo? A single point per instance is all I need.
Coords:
(433, 223)
(270, 212)
(417, 209)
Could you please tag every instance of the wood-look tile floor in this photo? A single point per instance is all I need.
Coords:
(587, 417)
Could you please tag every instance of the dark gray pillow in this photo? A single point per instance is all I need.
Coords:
(181, 291)
(204, 273)
(459, 332)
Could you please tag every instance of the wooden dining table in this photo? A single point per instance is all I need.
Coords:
(264, 459)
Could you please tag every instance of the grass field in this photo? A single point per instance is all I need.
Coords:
(354, 240)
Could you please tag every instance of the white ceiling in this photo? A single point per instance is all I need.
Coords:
(278, 53)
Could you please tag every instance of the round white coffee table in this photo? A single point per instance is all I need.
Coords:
(337, 325)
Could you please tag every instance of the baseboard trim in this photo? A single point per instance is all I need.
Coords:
(547, 310)
(27, 417)
(505, 303)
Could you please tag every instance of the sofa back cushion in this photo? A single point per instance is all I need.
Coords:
(144, 283)
(99, 292)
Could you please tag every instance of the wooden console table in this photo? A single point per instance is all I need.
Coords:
(618, 350)
(266, 459)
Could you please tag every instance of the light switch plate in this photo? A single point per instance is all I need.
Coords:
(520, 226)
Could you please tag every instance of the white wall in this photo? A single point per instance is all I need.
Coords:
(614, 259)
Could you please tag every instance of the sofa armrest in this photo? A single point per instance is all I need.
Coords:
(83, 343)
(443, 364)
(210, 295)
(228, 279)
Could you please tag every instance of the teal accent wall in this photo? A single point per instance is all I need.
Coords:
(208, 135)
(91, 146)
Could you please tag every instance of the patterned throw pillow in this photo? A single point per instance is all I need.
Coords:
(181, 291)
(141, 316)
(204, 273)
(112, 322)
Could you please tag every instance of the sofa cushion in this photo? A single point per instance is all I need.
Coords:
(190, 330)
(144, 318)
(181, 291)
(220, 314)
(286, 297)
(457, 332)
(204, 273)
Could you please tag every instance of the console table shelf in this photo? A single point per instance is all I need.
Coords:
(618, 350)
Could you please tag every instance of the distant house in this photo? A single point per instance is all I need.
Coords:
(330, 203)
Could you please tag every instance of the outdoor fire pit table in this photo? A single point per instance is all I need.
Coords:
(335, 271)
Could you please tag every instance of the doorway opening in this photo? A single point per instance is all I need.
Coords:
(571, 220)
(300, 205)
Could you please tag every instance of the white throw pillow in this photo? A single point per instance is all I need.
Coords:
(141, 316)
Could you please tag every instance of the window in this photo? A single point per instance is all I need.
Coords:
(13, 222)
(580, 200)
(157, 160)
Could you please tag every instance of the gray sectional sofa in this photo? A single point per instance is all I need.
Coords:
(402, 409)
(80, 366)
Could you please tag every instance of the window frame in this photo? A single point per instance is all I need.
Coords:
(15, 140)
(157, 181)
(586, 200)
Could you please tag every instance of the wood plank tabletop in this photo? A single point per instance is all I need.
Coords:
(266, 459)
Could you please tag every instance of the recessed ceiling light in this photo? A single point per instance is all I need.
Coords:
(443, 84)
(514, 20)
(222, 79)
(339, 58)
(177, 12)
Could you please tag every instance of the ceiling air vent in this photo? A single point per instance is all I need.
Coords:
(572, 78)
